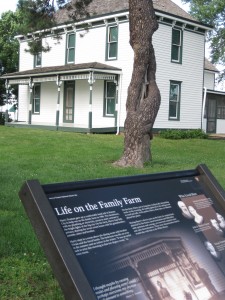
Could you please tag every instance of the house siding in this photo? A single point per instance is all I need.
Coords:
(189, 73)
(209, 80)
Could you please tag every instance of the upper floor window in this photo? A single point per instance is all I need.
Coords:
(174, 100)
(70, 48)
(36, 99)
(37, 60)
(110, 99)
(176, 52)
(38, 56)
(112, 42)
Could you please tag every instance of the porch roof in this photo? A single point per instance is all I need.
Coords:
(215, 92)
(63, 70)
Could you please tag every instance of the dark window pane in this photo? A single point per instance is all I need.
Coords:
(71, 40)
(110, 106)
(176, 37)
(113, 34)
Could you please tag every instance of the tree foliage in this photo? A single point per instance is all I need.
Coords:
(36, 15)
(39, 14)
(212, 12)
(9, 47)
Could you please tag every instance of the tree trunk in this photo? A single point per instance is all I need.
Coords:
(143, 98)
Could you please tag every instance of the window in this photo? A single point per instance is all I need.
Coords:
(70, 48)
(37, 60)
(110, 99)
(176, 52)
(36, 98)
(112, 42)
(174, 100)
(220, 109)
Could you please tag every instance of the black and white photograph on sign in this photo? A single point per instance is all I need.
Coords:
(148, 240)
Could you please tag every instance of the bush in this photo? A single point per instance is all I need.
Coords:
(2, 118)
(177, 134)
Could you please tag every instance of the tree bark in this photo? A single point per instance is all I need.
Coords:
(143, 98)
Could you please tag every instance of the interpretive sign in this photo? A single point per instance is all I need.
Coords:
(157, 236)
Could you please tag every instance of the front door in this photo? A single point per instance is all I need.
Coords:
(211, 116)
(68, 107)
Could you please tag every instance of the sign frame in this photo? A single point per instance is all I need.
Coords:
(52, 238)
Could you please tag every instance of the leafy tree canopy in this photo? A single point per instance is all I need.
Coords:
(37, 15)
(9, 47)
(212, 12)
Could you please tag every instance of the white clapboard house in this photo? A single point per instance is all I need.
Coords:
(81, 83)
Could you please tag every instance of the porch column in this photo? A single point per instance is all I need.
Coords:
(31, 85)
(91, 82)
(58, 83)
(7, 86)
(116, 102)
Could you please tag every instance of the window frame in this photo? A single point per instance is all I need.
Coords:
(179, 46)
(69, 48)
(176, 101)
(109, 43)
(35, 99)
(106, 98)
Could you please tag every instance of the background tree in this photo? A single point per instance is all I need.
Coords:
(36, 15)
(9, 47)
(212, 12)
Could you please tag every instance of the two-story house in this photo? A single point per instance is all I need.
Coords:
(81, 83)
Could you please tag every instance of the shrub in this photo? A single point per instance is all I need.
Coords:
(176, 134)
(2, 118)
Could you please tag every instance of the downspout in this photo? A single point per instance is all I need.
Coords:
(31, 85)
(203, 105)
(119, 105)
(58, 83)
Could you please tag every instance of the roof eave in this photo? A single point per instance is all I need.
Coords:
(118, 14)
(61, 72)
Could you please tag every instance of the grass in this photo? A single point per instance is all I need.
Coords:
(52, 157)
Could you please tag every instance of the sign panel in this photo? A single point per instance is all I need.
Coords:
(158, 236)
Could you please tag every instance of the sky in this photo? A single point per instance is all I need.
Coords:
(6, 5)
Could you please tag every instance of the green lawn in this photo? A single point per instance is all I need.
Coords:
(51, 157)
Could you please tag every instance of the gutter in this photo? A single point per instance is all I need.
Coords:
(203, 104)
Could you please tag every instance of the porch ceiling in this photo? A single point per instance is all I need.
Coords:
(63, 70)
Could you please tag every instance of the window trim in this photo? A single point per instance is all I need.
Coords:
(69, 48)
(34, 112)
(178, 101)
(108, 43)
(105, 114)
(180, 46)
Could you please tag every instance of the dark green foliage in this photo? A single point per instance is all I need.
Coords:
(2, 119)
(177, 134)
(36, 15)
